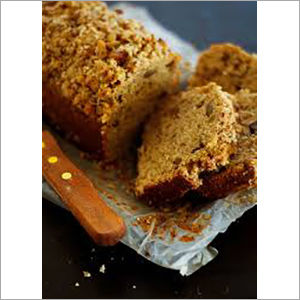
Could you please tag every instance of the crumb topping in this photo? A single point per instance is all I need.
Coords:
(89, 50)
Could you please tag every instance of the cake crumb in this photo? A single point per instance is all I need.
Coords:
(86, 274)
(199, 293)
(226, 290)
(77, 284)
(119, 11)
(102, 269)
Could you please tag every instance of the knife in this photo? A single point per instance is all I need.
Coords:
(78, 193)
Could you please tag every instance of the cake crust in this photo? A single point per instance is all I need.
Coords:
(240, 174)
(219, 185)
(82, 130)
(166, 191)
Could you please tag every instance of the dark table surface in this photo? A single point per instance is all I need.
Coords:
(67, 250)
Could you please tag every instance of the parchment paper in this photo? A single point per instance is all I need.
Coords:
(177, 236)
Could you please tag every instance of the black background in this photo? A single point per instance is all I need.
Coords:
(207, 22)
(67, 250)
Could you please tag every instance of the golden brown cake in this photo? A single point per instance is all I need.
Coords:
(227, 65)
(190, 133)
(245, 104)
(241, 172)
(102, 75)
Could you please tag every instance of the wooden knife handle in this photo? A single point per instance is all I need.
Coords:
(79, 194)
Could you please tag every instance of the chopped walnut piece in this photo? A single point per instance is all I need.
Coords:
(120, 57)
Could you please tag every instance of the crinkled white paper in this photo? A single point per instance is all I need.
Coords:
(173, 253)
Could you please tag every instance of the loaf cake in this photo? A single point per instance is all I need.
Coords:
(241, 172)
(102, 75)
(191, 132)
(227, 65)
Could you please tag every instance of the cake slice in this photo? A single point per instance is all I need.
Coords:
(227, 65)
(245, 104)
(190, 133)
(241, 172)
(102, 75)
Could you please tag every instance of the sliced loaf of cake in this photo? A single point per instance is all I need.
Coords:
(191, 132)
(102, 75)
(227, 65)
